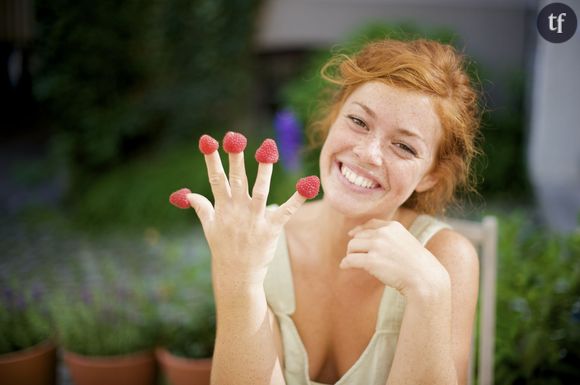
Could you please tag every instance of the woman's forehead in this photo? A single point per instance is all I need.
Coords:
(410, 111)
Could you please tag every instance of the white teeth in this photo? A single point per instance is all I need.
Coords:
(357, 179)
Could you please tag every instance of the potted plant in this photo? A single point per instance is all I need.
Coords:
(188, 342)
(186, 312)
(27, 351)
(107, 333)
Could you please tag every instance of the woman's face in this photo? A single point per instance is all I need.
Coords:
(379, 150)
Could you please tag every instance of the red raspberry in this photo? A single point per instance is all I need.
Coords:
(268, 152)
(234, 142)
(178, 198)
(308, 187)
(207, 144)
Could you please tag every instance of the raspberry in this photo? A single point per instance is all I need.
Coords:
(234, 142)
(268, 152)
(178, 198)
(308, 187)
(207, 144)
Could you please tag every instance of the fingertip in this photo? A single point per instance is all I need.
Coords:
(234, 142)
(179, 198)
(207, 144)
(267, 152)
(308, 186)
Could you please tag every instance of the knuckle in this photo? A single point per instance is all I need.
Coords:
(259, 194)
(383, 231)
(376, 222)
(236, 180)
(376, 243)
(215, 179)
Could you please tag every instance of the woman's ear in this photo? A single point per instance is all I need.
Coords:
(427, 182)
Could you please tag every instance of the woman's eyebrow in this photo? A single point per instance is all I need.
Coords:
(410, 133)
(367, 109)
(402, 130)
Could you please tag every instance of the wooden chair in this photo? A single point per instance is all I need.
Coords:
(484, 236)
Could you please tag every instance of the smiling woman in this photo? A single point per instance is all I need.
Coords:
(434, 70)
(363, 286)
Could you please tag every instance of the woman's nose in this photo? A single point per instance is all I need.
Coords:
(369, 150)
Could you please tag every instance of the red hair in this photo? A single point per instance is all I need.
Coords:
(431, 68)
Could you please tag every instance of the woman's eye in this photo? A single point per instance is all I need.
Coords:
(406, 148)
(358, 122)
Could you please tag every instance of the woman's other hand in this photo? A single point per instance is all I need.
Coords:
(389, 252)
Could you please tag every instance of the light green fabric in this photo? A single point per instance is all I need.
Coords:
(373, 366)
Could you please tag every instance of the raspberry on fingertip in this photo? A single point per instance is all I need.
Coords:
(267, 152)
(308, 187)
(208, 145)
(179, 198)
(234, 142)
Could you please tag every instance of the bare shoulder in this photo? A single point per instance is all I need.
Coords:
(456, 253)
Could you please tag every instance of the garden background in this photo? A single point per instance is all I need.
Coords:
(100, 119)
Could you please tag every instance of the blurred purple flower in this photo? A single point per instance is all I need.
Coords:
(8, 295)
(20, 302)
(123, 293)
(86, 296)
(289, 137)
(37, 292)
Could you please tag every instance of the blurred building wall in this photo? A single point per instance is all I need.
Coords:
(554, 148)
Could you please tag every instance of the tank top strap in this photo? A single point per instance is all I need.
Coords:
(393, 303)
(425, 226)
(278, 284)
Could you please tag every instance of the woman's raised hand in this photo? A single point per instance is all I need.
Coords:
(241, 233)
(386, 250)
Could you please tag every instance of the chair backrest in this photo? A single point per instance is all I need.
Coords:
(484, 237)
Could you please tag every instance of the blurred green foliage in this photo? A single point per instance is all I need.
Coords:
(23, 321)
(135, 195)
(502, 167)
(186, 310)
(500, 170)
(102, 306)
(538, 291)
(538, 308)
(120, 77)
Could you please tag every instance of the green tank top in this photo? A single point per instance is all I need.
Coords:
(374, 364)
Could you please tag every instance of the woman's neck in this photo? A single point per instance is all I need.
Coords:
(333, 227)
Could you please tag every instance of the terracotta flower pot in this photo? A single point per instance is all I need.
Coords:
(33, 366)
(132, 369)
(184, 371)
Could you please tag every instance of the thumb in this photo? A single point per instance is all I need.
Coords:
(283, 213)
(202, 206)
(357, 261)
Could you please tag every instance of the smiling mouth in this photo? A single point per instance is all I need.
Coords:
(357, 180)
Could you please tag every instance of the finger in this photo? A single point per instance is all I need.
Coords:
(262, 187)
(364, 234)
(358, 261)
(370, 224)
(237, 176)
(358, 246)
(283, 213)
(202, 207)
(217, 177)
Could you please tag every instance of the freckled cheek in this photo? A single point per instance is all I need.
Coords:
(334, 144)
(403, 178)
